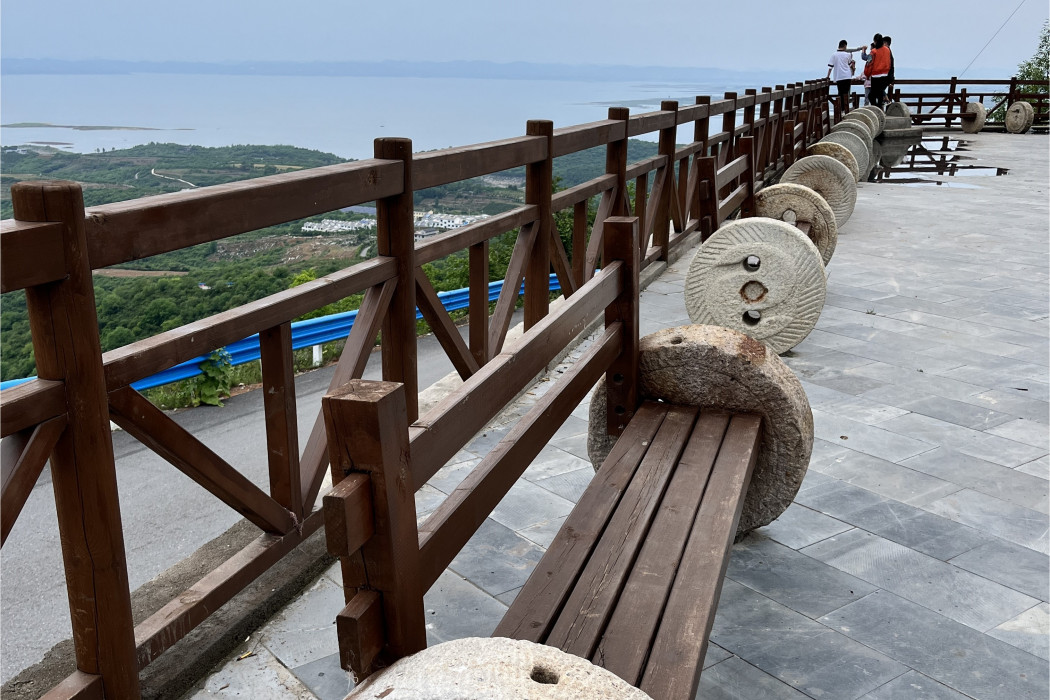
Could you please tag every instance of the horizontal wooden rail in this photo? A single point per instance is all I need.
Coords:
(30, 404)
(572, 139)
(136, 229)
(442, 432)
(30, 254)
(650, 121)
(145, 357)
(462, 238)
(582, 192)
(435, 168)
(646, 166)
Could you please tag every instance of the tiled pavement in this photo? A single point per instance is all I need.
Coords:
(913, 563)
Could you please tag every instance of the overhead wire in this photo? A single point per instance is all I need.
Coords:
(993, 37)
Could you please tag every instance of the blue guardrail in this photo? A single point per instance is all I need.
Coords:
(305, 334)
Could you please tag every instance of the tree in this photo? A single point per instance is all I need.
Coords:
(1038, 66)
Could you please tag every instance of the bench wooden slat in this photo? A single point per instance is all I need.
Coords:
(673, 669)
(540, 600)
(580, 625)
(624, 647)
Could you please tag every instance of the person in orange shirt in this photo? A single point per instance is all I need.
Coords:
(878, 69)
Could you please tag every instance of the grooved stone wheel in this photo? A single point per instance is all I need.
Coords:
(830, 179)
(724, 370)
(855, 126)
(879, 115)
(855, 145)
(978, 123)
(898, 109)
(761, 277)
(869, 120)
(795, 203)
(836, 151)
(1019, 117)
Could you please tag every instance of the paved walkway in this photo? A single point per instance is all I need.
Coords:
(913, 564)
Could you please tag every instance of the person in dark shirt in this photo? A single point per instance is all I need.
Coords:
(889, 87)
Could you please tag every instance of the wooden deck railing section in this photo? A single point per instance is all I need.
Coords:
(51, 246)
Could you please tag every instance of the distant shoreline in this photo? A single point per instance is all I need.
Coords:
(85, 127)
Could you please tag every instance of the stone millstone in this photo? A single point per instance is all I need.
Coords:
(896, 123)
(715, 367)
(830, 179)
(494, 668)
(877, 113)
(836, 151)
(898, 109)
(855, 145)
(855, 125)
(1019, 117)
(978, 123)
(868, 119)
(758, 276)
(794, 203)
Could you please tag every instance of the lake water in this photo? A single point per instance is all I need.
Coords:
(340, 115)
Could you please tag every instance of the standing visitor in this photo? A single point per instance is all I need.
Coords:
(840, 71)
(889, 87)
(879, 71)
(866, 57)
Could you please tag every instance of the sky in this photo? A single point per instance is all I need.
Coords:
(941, 35)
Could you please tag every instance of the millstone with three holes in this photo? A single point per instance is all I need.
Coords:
(761, 277)
(830, 179)
(898, 109)
(721, 369)
(852, 142)
(977, 124)
(836, 151)
(796, 203)
(1019, 117)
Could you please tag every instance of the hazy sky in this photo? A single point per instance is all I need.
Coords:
(750, 35)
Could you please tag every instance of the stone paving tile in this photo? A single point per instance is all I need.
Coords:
(527, 504)
(735, 679)
(919, 382)
(837, 498)
(543, 533)
(449, 476)
(1011, 485)
(798, 527)
(1014, 523)
(849, 406)
(1029, 631)
(714, 655)
(801, 652)
(914, 686)
(917, 529)
(427, 499)
(1013, 402)
(1037, 467)
(949, 652)
(957, 412)
(951, 324)
(552, 461)
(792, 579)
(496, 558)
(872, 440)
(886, 478)
(258, 676)
(953, 592)
(304, 631)
(455, 608)
(575, 445)
(976, 443)
(1024, 431)
(569, 485)
(325, 679)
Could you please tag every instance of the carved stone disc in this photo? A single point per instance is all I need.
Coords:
(830, 179)
(855, 126)
(836, 151)
(1019, 117)
(855, 145)
(761, 277)
(793, 203)
(868, 120)
(898, 109)
(978, 123)
(878, 114)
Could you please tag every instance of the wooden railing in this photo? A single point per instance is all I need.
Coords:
(53, 244)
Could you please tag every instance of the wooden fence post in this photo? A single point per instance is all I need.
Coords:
(728, 150)
(951, 102)
(621, 380)
(662, 227)
(66, 346)
(367, 427)
(396, 238)
(538, 183)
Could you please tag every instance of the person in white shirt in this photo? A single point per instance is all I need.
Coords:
(840, 71)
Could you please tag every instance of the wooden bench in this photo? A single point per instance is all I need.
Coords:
(632, 579)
